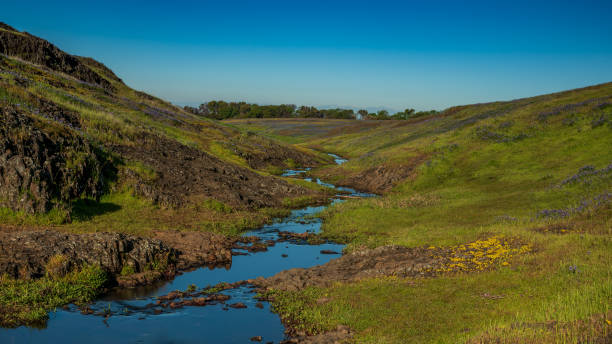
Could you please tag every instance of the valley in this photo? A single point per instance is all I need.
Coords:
(124, 217)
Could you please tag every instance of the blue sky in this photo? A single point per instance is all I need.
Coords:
(393, 54)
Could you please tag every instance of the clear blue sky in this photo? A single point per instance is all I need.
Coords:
(397, 54)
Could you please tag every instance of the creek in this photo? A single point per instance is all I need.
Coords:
(133, 322)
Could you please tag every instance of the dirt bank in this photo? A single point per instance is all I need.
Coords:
(261, 154)
(378, 180)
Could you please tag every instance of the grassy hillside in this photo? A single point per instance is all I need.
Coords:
(73, 134)
(537, 170)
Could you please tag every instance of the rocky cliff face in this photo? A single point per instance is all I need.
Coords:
(38, 51)
(44, 163)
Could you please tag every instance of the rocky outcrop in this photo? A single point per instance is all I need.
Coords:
(185, 175)
(100, 66)
(261, 154)
(130, 260)
(197, 249)
(43, 164)
(31, 254)
(39, 51)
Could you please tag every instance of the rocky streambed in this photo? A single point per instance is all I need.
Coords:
(211, 297)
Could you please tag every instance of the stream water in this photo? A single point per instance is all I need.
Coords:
(209, 324)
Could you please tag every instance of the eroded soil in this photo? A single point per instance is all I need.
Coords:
(377, 180)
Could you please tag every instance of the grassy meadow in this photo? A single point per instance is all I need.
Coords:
(537, 170)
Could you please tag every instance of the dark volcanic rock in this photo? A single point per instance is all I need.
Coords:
(186, 174)
(25, 254)
(267, 153)
(41, 52)
(41, 162)
(198, 248)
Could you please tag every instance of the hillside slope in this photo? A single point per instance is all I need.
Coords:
(71, 130)
(503, 209)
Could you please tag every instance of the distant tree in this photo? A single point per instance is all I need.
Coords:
(191, 109)
(382, 115)
(363, 113)
(203, 110)
(404, 114)
(219, 109)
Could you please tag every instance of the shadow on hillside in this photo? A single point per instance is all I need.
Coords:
(86, 209)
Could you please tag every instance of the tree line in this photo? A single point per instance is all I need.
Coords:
(220, 110)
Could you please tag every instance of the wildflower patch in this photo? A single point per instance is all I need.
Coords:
(479, 255)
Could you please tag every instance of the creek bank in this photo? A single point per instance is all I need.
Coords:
(382, 261)
(193, 249)
(130, 260)
(400, 261)
(376, 180)
(29, 254)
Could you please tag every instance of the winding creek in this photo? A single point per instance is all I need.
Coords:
(133, 322)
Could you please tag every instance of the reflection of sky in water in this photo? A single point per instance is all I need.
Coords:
(209, 324)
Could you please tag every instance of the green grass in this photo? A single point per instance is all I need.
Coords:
(535, 288)
(492, 175)
(311, 185)
(55, 216)
(121, 117)
(480, 170)
(124, 212)
(299, 202)
(29, 301)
